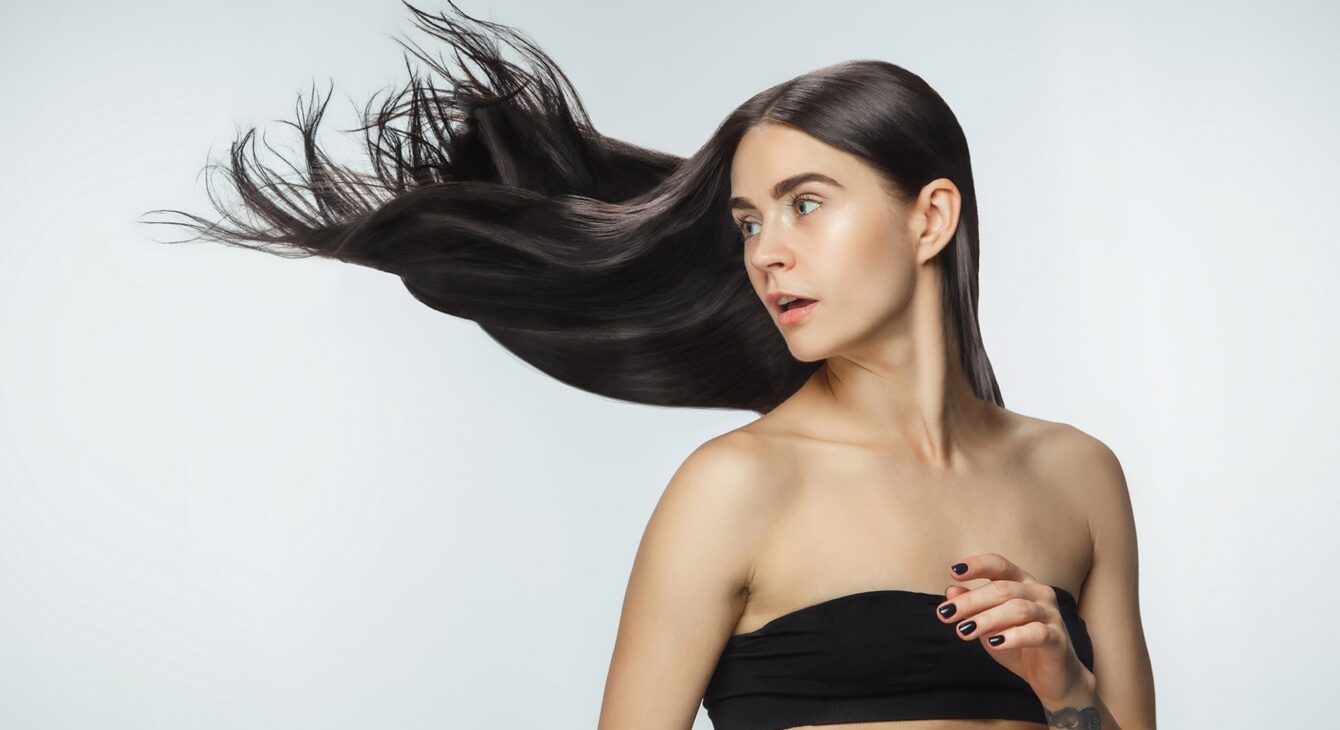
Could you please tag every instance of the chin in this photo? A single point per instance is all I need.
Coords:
(807, 353)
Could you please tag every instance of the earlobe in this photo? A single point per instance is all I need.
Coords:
(924, 233)
(929, 247)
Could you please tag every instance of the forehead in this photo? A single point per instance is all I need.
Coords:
(769, 152)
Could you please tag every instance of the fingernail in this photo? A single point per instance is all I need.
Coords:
(959, 568)
(966, 627)
(947, 610)
(996, 640)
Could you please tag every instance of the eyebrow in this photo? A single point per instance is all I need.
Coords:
(786, 186)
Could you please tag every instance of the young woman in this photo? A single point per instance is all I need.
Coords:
(815, 261)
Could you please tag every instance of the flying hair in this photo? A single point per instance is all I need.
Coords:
(612, 267)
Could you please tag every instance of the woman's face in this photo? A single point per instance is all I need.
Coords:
(840, 242)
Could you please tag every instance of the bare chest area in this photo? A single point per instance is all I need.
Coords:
(851, 521)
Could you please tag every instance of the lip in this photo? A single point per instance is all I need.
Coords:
(792, 316)
(776, 294)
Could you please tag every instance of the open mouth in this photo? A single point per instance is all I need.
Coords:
(797, 304)
(793, 312)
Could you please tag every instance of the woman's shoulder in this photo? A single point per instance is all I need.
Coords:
(752, 462)
(739, 457)
(747, 449)
(1078, 465)
(1058, 445)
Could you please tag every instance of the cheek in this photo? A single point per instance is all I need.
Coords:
(870, 268)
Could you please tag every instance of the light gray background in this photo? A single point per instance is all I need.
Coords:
(238, 491)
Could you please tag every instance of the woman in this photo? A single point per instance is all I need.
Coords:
(815, 262)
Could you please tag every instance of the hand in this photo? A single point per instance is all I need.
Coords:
(1024, 612)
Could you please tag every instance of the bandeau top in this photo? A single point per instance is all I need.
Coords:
(870, 656)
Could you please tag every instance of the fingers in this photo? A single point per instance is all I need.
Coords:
(993, 566)
(1034, 634)
(978, 604)
(994, 620)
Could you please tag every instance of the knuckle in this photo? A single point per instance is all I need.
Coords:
(1025, 610)
(1022, 608)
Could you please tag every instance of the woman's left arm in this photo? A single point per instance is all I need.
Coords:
(1084, 710)
(1109, 602)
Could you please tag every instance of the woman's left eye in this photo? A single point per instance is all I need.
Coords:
(802, 199)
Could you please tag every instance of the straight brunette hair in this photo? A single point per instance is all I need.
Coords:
(612, 267)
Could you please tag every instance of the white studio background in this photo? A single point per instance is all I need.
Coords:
(241, 491)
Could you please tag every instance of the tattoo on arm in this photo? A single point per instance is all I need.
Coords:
(1073, 718)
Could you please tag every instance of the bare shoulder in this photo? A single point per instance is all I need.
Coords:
(688, 585)
(740, 450)
(720, 500)
(732, 466)
(1092, 466)
(722, 482)
(1068, 456)
(728, 480)
(1082, 469)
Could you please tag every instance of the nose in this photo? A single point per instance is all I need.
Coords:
(770, 252)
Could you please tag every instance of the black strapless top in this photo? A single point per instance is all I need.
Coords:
(870, 656)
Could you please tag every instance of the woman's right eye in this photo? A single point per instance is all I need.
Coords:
(743, 228)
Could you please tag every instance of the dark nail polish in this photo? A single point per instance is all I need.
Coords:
(995, 640)
(966, 627)
(959, 568)
(947, 610)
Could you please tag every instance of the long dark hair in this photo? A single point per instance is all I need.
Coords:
(612, 267)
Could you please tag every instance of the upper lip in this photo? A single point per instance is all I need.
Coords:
(776, 294)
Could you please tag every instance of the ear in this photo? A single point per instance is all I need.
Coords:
(933, 218)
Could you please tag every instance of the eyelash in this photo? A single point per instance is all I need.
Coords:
(790, 202)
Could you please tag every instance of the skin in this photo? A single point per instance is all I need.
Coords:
(881, 471)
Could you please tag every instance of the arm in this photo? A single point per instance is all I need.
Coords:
(1121, 688)
(687, 588)
(1084, 710)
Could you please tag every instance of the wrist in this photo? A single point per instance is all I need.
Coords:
(1083, 693)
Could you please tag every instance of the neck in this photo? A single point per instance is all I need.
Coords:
(909, 393)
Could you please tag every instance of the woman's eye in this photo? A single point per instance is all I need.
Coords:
(802, 201)
(795, 202)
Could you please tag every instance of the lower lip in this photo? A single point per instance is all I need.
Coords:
(792, 316)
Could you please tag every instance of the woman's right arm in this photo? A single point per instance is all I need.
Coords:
(687, 587)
